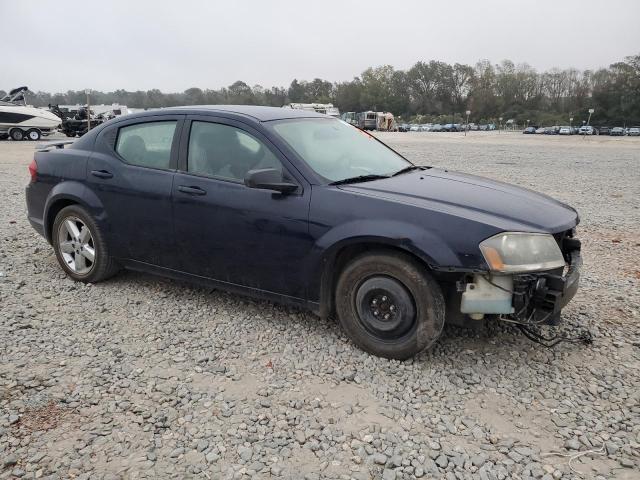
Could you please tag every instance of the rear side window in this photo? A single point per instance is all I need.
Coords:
(147, 144)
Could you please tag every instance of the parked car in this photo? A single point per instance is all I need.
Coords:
(617, 132)
(473, 127)
(633, 132)
(541, 130)
(587, 130)
(403, 128)
(436, 128)
(529, 130)
(564, 131)
(414, 128)
(302, 208)
(604, 131)
(552, 130)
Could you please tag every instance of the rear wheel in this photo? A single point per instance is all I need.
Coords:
(16, 134)
(34, 134)
(80, 246)
(389, 305)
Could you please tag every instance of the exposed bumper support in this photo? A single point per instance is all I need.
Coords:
(531, 298)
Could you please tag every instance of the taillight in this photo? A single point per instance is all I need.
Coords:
(33, 170)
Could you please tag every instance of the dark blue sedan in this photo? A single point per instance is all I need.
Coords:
(304, 209)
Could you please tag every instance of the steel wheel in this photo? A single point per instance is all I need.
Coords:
(388, 304)
(385, 307)
(33, 135)
(76, 245)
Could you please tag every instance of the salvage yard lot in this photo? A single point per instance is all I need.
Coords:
(142, 377)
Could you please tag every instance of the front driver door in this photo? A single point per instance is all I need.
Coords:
(232, 233)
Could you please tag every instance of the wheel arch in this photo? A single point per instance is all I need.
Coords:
(336, 258)
(71, 193)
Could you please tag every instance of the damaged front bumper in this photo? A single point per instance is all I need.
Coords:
(539, 298)
(528, 298)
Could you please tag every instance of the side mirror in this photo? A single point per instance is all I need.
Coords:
(268, 179)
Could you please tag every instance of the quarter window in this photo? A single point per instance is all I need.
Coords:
(147, 144)
(223, 151)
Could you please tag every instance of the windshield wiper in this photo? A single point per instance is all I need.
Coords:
(359, 178)
(408, 169)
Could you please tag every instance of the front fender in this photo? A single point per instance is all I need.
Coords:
(76, 192)
(422, 243)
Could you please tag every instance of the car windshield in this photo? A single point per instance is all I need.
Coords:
(336, 150)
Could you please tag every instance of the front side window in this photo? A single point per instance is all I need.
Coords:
(337, 150)
(147, 144)
(223, 151)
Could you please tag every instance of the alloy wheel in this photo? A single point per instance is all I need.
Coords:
(76, 245)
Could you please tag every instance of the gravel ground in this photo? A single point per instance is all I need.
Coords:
(142, 377)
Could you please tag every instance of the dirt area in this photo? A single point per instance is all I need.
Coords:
(143, 377)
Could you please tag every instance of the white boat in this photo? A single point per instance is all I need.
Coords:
(21, 121)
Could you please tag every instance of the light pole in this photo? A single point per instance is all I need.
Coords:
(570, 123)
(591, 110)
(500, 125)
(87, 91)
(468, 112)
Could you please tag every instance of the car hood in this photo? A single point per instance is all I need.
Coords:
(501, 205)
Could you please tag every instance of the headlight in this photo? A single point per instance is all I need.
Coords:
(512, 252)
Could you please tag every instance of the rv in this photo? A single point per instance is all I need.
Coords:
(367, 120)
(385, 122)
(326, 108)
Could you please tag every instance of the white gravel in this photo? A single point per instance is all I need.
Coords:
(143, 377)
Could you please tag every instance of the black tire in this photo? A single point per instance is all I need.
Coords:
(418, 318)
(34, 135)
(16, 134)
(103, 266)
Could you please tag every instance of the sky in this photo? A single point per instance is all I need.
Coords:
(106, 45)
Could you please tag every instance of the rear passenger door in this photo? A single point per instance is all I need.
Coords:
(131, 171)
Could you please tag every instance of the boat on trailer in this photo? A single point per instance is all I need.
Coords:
(21, 121)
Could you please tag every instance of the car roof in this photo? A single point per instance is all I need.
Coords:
(256, 112)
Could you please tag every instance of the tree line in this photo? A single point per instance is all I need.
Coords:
(428, 91)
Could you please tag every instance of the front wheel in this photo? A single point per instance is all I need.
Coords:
(80, 246)
(389, 305)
